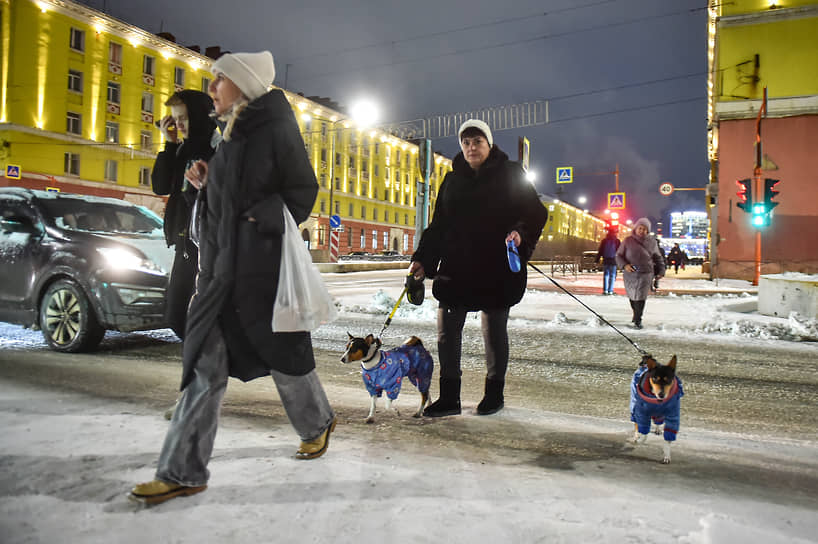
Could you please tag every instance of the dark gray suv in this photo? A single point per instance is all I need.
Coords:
(74, 266)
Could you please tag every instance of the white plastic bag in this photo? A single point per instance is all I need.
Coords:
(302, 302)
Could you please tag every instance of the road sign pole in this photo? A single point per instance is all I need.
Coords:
(333, 246)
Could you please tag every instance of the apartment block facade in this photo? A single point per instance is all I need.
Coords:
(80, 93)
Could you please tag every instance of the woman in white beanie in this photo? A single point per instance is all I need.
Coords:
(260, 168)
(483, 203)
(639, 257)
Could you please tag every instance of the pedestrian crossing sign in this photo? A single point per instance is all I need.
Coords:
(565, 174)
(13, 171)
(616, 201)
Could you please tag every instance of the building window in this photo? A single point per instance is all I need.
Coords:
(75, 81)
(386, 216)
(363, 238)
(351, 210)
(114, 91)
(144, 176)
(73, 123)
(377, 149)
(363, 212)
(111, 132)
(146, 140)
(374, 239)
(149, 65)
(71, 164)
(323, 155)
(179, 76)
(406, 219)
(322, 235)
(376, 171)
(205, 84)
(375, 214)
(323, 131)
(364, 189)
(110, 170)
(77, 42)
(337, 184)
(386, 239)
(115, 54)
(147, 102)
(323, 206)
(337, 159)
(337, 207)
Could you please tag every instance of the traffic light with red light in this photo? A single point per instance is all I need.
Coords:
(745, 194)
(770, 193)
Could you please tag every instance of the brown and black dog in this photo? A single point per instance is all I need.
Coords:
(656, 394)
(383, 370)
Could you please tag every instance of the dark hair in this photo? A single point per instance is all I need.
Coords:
(471, 132)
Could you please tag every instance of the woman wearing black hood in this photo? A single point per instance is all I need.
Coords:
(483, 203)
(188, 134)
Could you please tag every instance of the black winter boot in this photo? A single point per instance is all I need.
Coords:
(493, 399)
(449, 402)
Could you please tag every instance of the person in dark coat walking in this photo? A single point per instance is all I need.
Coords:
(260, 169)
(483, 203)
(607, 252)
(641, 261)
(188, 132)
(676, 258)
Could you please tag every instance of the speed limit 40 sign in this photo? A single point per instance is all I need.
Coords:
(666, 189)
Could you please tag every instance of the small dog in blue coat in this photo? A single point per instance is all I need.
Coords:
(383, 370)
(656, 394)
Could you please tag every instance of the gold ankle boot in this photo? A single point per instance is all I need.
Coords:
(316, 448)
(157, 491)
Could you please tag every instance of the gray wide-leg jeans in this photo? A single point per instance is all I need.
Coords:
(189, 441)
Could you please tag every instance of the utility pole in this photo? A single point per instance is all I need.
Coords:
(758, 189)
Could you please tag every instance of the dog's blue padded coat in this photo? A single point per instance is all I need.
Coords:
(414, 362)
(646, 407)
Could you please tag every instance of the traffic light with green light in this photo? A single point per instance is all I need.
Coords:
(761, 215)
(745, 194)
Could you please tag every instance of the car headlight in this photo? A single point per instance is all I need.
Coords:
(122, 259)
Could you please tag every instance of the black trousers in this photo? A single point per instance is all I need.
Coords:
(181, 286)
(638, 307)
(494, 324)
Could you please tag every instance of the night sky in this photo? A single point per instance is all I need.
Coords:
(626, 79)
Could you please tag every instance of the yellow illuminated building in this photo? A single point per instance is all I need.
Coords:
(80, 92)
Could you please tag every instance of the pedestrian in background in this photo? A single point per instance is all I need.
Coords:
(676, 258)
(260, 169)
(607, 252)
(483, 203)
(637, 256)
(188, 132)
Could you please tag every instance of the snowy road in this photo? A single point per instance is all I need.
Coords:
(554, 465)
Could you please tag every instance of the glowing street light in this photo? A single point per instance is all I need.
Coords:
(531, 176)
(582, 200)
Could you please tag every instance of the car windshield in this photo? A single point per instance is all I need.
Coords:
(102, 216)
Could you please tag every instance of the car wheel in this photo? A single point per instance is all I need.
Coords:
(67, 320)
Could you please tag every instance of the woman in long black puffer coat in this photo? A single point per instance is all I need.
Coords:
(483, 203)
(260, 169)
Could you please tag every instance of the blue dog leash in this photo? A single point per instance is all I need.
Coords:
(634, 344)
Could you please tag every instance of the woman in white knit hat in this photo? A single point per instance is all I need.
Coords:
(639, 257)
(483, 204)
(260, 168)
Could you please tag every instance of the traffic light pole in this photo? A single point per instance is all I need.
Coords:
(758, 189)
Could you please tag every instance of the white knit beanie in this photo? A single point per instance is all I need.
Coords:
(642, 221)
(253, 73)
(479, 125)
